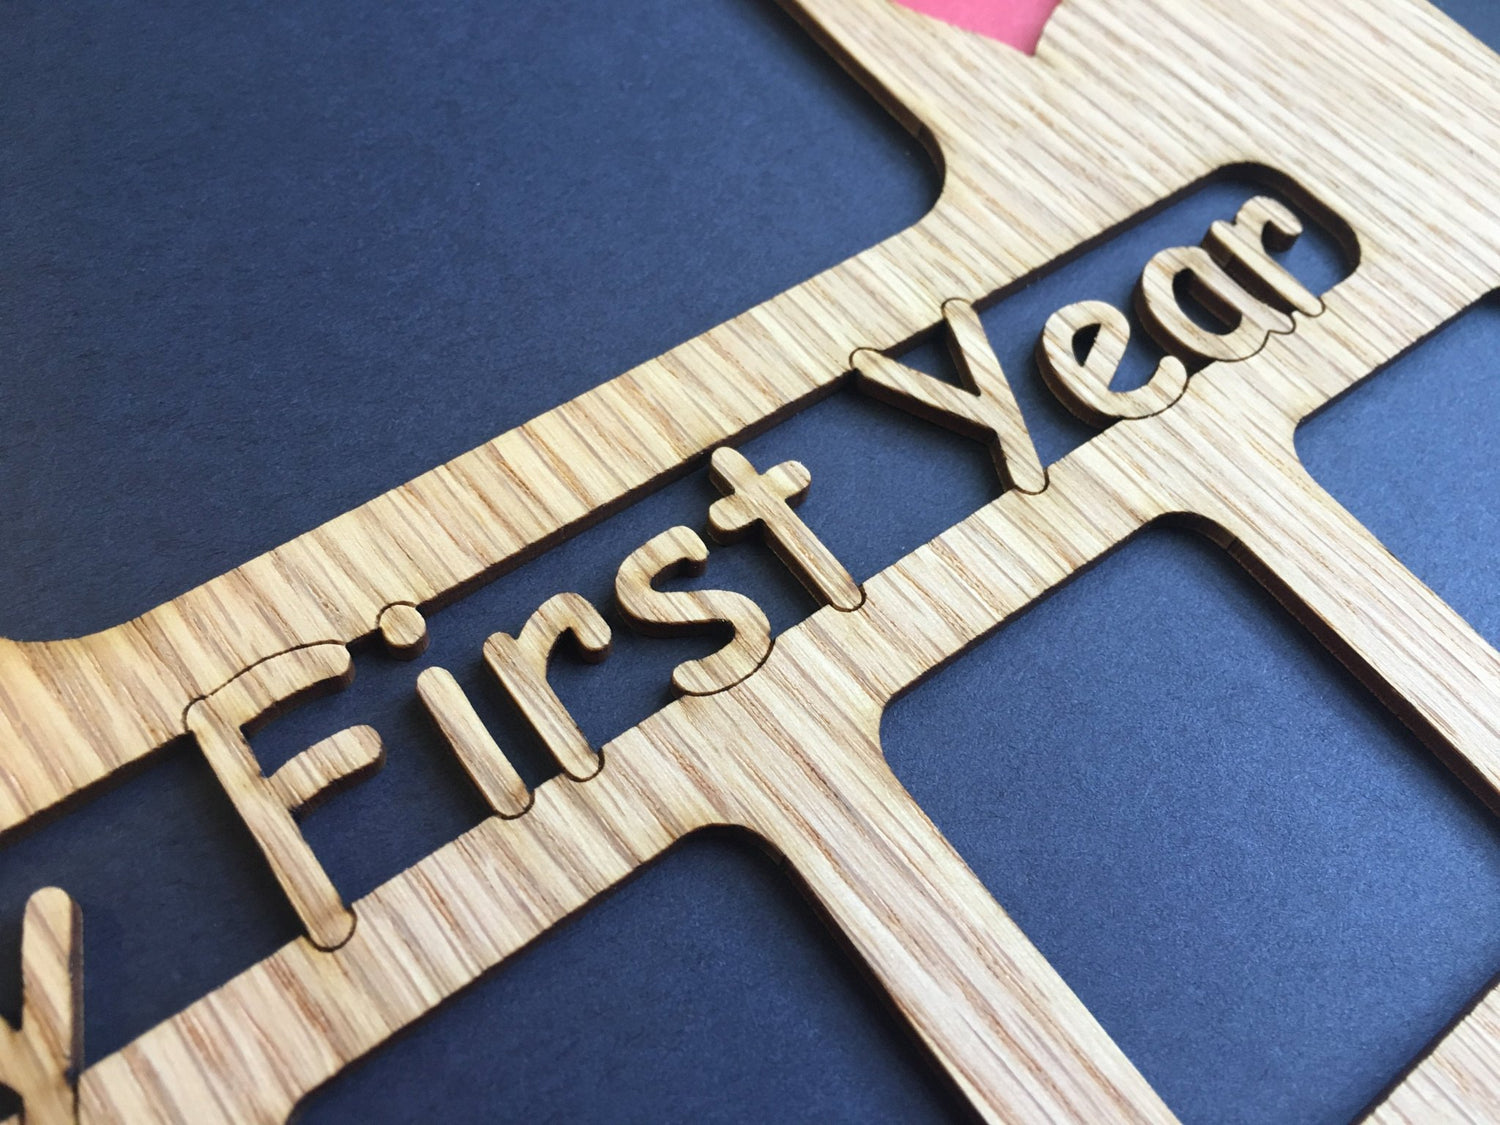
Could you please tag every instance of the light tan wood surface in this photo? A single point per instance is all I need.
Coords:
(1379, 113)
(220, 723)
(38, 1060)
(668, 613)
(1083, 385)
(985, 408)
(404, 631)
(483, 760)
(1455, 1082)
(765, 501)
(520, 664)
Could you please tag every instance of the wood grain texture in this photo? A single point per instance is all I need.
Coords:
(1380, 111)
(520, 664)
(1455, 1082)
(310, 777)
(670, 613)
(481, 757)
(404, 631)
(764, 501)
(220, 723)
(1243, 248)
(1251, 320)
(984, 407)
(1083, 384)
(39, 1058)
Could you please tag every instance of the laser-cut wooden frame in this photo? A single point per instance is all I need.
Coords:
(1382, 110)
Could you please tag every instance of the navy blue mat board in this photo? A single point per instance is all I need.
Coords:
(259, 263)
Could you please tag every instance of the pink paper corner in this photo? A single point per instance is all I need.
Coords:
(1016, 22)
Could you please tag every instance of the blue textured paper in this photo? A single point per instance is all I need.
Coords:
(258, 266)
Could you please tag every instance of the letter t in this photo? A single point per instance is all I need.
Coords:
(766, 499)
